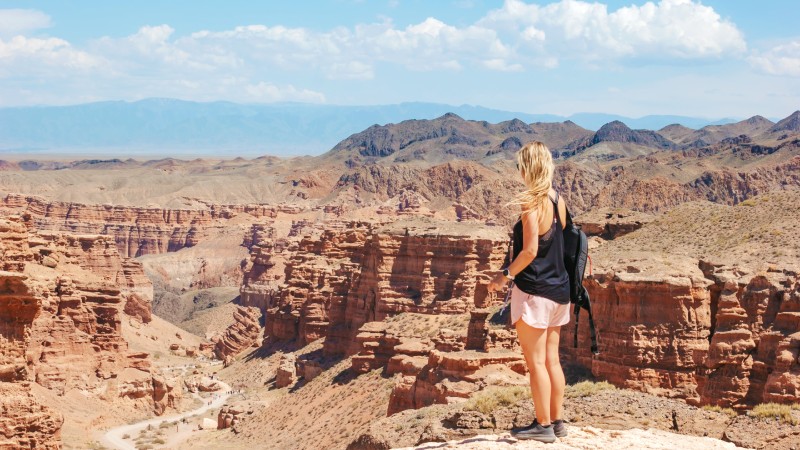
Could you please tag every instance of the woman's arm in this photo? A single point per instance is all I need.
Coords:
(530, 246)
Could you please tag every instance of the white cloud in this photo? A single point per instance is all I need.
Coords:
(233, 63)
(670, 29)
(267, 92)
(22, 55)
(783, 59)
(353, 70)
(21, 21)
(502, 65)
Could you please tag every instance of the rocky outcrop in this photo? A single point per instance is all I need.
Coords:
(409, 267)
(708, 336)
(351, 273)
(453, 377)
(136, 231)
(202, 383)
(286, 374)
(61, 307)
(611, 224)
(379, 348)
(732, 187)
(241, 334)
(25, 422)
(231, 415)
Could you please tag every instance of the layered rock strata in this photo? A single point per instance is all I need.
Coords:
(61, 306)
(243, 333)
(136, 231)
(416, 267)
(714, 337)
(351, 273)
(453, 377)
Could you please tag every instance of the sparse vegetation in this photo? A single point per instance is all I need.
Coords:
(777, 411)
(718, 409)
(587, 388)
(491, 399)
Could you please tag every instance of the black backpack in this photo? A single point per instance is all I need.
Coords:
(576, 253)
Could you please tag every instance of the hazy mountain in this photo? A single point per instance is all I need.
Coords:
(446, 138)
(594, 121)
(711, 134)
(167, 126)
(790, 124)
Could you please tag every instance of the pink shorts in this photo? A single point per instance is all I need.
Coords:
(538, 312)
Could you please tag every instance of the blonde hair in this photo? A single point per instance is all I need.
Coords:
(536, 164)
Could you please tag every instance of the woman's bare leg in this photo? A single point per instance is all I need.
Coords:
(556, 373)
(534, 348)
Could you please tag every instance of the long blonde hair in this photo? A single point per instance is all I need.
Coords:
(536, 164)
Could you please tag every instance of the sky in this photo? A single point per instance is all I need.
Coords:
(711, 58)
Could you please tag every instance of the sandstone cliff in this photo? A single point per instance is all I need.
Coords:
(136, 231)
(61, 304)
(714, 320)
(342, 277)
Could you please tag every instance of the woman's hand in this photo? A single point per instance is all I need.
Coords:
(497, 283)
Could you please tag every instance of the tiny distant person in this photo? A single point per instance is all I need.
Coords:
(540, 297)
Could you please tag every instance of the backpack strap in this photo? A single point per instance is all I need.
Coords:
(592, 330)
(585, 303)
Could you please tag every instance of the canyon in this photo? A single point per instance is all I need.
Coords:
(355, 284)
(64, 298)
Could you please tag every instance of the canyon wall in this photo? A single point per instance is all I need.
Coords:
(345, 274)
(136, 231)
(705, 334)
(62, 299)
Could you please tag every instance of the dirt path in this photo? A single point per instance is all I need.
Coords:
(113, 437)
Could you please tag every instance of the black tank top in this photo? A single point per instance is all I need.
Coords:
(546, 275)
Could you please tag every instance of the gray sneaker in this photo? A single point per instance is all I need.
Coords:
(536, 432)
(559, 428)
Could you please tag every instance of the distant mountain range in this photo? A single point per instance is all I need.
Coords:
(451, 137)
(179, 128)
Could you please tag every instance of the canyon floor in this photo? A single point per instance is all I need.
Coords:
(341, 301)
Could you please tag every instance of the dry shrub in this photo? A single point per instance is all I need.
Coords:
(718, 409)
(491, 399)
(774, 410)
(587, 388)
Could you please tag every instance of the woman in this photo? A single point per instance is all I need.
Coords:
(540, 296)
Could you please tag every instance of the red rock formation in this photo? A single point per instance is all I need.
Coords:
(241, 334)
(710, 338)
(455, 376)
(231, 415)
(136, 231)
(25, 423)
(408, 267)
(379, 348)
(61, 308)
(340, 277)
(286, 374)
(318, 275)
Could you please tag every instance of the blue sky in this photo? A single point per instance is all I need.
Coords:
(725, 58)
